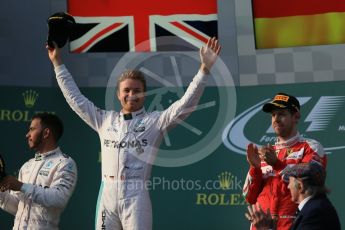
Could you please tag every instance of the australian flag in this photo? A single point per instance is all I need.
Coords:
(142, 25)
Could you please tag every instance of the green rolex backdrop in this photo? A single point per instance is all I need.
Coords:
(203, 194)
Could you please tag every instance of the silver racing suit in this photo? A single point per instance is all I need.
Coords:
(129, 144)
(48, 183)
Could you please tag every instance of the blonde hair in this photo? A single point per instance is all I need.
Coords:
(134, 75)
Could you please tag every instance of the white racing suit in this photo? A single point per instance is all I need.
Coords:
(49, 180)
(129, 144)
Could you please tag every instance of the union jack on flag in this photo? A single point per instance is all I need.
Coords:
(141, 25)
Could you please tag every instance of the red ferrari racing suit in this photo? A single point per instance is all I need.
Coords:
(265, 185)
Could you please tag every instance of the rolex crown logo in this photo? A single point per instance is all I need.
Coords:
(225, 180)
(30, 97)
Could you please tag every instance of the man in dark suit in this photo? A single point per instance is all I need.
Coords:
(307, 188)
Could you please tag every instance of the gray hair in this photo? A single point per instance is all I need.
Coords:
(313, 190)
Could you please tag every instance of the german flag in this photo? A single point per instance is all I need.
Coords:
(287, 23)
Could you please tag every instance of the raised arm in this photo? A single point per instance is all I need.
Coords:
(180, 109)
(85, 109)
(54, 55)
(209, 54)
